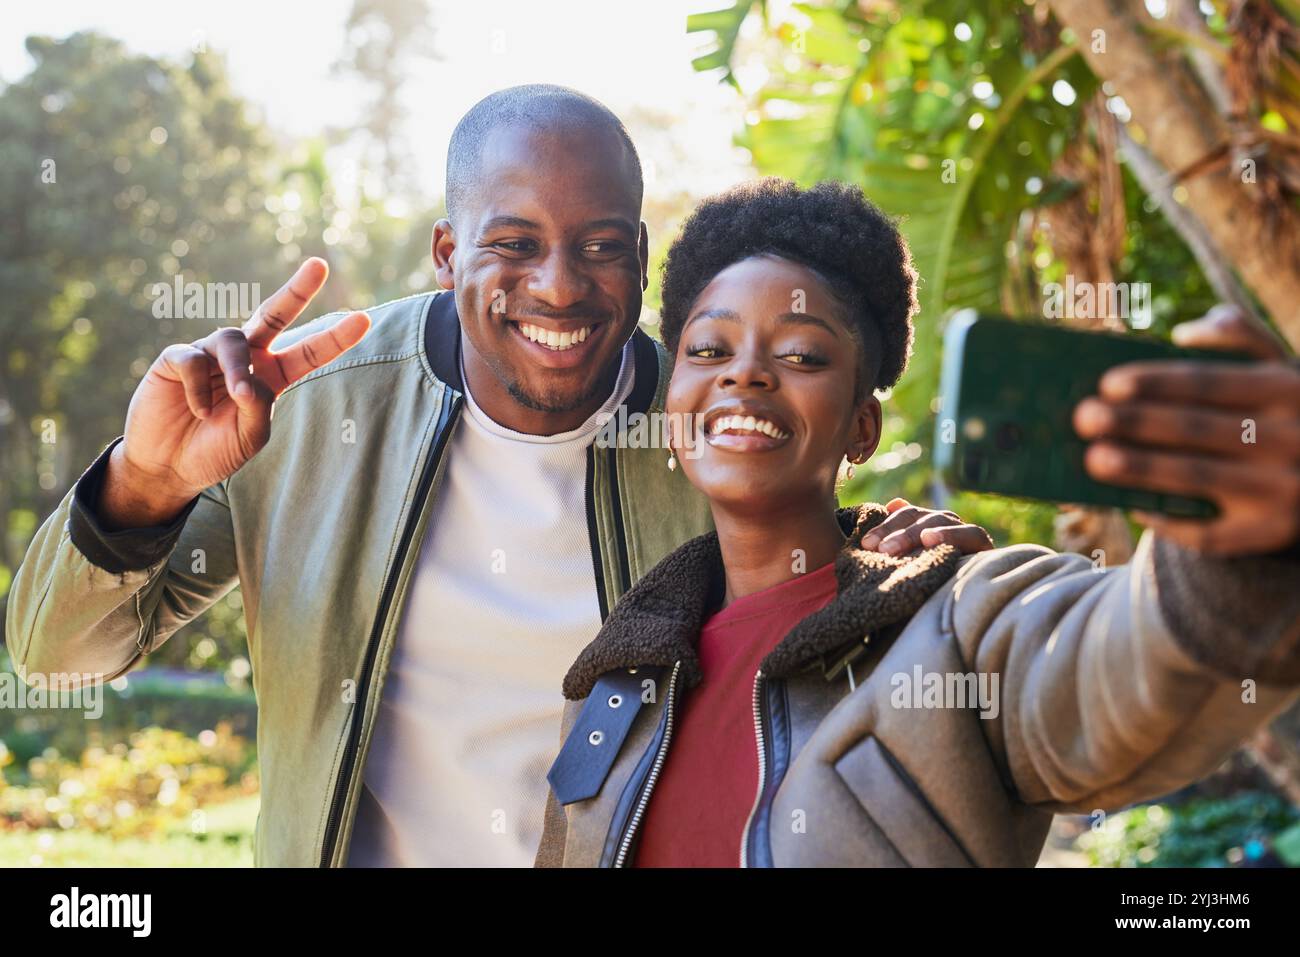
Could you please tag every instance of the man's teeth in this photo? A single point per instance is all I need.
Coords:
(746, 423)
(558, 341)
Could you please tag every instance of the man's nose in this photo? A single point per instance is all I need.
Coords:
(559, 281)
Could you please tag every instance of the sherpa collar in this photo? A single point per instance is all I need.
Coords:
(658, 620)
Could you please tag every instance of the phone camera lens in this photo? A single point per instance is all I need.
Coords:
(974, 467)
(1007, 437)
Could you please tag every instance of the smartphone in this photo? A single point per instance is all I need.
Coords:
(1008, 391)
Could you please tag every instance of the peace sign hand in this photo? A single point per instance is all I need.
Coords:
(204, 408)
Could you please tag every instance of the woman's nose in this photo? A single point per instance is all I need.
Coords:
(746, 371)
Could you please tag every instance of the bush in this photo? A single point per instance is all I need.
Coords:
(1200, 833)
(189, 702)
(144, 788)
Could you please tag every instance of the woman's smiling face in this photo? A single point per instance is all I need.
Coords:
(767, 339)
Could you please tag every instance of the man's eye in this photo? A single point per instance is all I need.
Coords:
(605, 246)
(513, 245)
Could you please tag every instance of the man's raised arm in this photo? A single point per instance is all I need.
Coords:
(144, 542)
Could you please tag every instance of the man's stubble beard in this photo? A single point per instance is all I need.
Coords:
(538, 404)
(554, 404)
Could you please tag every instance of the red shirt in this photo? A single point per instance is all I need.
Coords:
(707, 785)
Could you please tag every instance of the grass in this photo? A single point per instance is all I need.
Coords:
(228, 842)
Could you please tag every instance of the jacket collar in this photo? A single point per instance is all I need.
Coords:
(442, 347)
(658, 621)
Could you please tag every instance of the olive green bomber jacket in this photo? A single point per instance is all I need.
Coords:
(321, 530)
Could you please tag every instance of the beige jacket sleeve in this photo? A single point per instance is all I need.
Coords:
(87, 601)
(1125, 684)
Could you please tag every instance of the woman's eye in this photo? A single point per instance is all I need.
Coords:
(704, 352)
(804, 358)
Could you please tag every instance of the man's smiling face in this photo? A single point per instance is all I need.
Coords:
(548, 262)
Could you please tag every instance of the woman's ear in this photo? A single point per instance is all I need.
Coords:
(865, 436)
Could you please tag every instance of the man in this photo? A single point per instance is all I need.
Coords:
(430, 533)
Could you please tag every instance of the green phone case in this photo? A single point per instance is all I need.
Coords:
(1008, 393)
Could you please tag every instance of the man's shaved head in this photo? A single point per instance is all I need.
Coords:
(536, 106)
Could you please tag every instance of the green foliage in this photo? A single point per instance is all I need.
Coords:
(725, 26)
(159, 170)
(888, 101)
(956, 134)
(1199, 833)
(190, 703)
(116, 172)
(141, 787)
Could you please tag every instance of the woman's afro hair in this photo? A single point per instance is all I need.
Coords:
(831, 228)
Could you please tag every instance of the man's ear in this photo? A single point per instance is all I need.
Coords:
(444, 246)
(643, 254)
(866, 429)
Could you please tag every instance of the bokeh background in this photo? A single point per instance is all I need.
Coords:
(227, 143)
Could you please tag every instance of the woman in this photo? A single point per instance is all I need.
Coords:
(776, 693)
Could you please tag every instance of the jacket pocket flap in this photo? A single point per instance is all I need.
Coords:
(900, 810)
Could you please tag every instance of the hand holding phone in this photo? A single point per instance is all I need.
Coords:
(1227, 433)
(1203, 444)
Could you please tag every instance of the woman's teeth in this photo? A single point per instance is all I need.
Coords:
(746, 423)
(557, 341)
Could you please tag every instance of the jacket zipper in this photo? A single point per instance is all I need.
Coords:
(621, 566)
(620, 534)
(644, 799)
(344, 780)
(762, 767)
(593, 534)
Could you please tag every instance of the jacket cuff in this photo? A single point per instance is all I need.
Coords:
(1238, 616)
(125, 550)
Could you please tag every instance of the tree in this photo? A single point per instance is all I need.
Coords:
(383, 38)
(989, 134)
(1240, 167)
(120, 173)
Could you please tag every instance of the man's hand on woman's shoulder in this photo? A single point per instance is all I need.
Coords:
(910, 527)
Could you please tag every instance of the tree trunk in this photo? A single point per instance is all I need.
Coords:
(1155, 183)
(1180, 127)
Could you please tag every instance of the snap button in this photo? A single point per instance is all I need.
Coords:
(596, 737)
(615, 700)
(631, 671)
